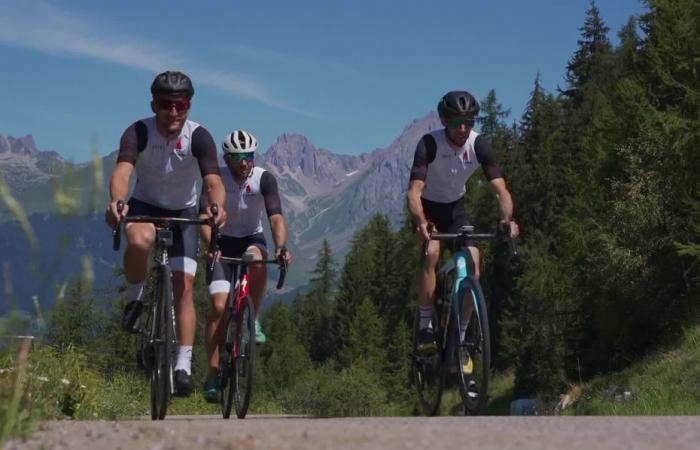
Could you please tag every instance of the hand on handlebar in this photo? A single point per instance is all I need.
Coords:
(510, 228)
(284, 255)
(425, 229)
(114, 214)
(217, 214)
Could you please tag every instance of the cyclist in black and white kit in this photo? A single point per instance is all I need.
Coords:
(250, 191)
(444, 160)
(169, 154)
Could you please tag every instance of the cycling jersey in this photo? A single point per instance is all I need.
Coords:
(445, 168)
(245, 201)
(167, 169)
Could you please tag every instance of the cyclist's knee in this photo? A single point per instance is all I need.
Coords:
(218, 305)
(140, 238)
(184, 283)
(432, 258)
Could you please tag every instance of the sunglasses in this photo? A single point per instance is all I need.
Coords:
(167, 105)
(239, 157)
(456, 122)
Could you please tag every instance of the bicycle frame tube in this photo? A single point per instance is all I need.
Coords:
(462, 263)
(242, 291)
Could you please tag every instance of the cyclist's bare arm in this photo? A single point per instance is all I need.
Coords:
(505, 202)
(415, 189)
(119, 190)
(278, 225)
(214, 191)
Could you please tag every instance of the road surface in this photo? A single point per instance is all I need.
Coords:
(421, 433)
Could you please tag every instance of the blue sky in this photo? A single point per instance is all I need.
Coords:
(348, 75)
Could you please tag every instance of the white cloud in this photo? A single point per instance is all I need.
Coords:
(43, 27)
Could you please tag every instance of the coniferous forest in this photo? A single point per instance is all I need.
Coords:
(605, 174)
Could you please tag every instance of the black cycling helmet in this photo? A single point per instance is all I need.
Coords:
(458, 103)
(173, 83)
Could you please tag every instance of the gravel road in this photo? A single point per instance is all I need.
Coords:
(275, 432)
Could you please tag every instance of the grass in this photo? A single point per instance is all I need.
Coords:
(666, 382)
(500, 396)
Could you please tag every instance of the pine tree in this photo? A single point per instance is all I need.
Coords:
(354, 287)
(365, 339)
(317, 307)
(75, 319)
(586, 63)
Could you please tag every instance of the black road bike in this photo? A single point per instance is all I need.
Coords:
(158, 341)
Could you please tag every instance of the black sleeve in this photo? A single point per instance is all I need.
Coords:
(268, 189)
(133, 141)
(204, 149)
(425, 154)
(487, 158)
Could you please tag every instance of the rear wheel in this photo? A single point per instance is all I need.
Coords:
(428, 373)
(244, 364)
(474, 353)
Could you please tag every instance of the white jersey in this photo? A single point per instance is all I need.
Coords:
(167, 169)
(246, 201)
(446, 168)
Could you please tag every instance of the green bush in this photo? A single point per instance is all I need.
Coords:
(322, 392)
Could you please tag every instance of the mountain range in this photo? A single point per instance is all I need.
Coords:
(325, 195)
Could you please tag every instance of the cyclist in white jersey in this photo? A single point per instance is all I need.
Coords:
(169, 154)
(250, 191)
(443, 162)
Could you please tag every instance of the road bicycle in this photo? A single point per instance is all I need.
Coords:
(158, 338)
(237, 360)
(469, 359)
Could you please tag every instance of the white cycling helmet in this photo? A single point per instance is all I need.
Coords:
(239, 141)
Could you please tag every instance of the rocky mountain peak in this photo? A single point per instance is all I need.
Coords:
(19, 146)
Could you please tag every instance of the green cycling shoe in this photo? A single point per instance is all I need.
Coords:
(212, 390)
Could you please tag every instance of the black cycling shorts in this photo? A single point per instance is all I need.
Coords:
(232, 247)
(447, 217)
(185, 250)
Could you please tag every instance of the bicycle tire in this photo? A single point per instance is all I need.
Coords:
(226, 365)
(163, 347)
(244, 365)
(428, 373)
(477, 344)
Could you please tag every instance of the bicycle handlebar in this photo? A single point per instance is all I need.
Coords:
(243, 261)
(163, 222)
(467, 232)
(157, 221)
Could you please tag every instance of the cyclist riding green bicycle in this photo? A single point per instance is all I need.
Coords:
(169, 154)
(443, 162)
(249, 191)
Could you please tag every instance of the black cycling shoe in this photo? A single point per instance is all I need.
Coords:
(183, 383)
(425, 341)
(130, 318)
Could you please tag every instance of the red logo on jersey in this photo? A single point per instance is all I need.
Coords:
(247, 188)
(179, 144)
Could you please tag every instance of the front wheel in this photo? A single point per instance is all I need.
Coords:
(244, 364)
(474, 353)
(226, 365)
(428, 373)
(162, 345)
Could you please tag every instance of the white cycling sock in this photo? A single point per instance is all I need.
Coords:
(184, 358)
(134, 291)
(426, 315)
